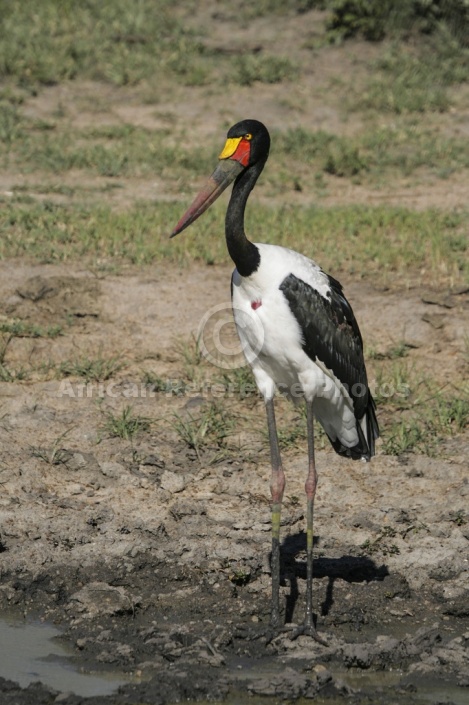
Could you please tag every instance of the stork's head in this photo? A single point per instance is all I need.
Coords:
(247, 143)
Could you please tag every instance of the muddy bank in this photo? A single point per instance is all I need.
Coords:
(173, 590)
(179, 633)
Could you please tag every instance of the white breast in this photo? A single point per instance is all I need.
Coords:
(272, 339)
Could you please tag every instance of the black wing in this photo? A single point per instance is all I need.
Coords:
(331, 336)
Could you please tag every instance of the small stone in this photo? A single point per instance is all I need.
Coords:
(357, 655)
(172, 482)
(98, 598)
(322, 674)
(76, 462)
(154, 461)
(112, 469)
(74, 489)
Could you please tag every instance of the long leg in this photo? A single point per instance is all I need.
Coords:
(310, 488)
(277, 485)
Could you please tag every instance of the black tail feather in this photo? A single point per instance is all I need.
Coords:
(365, 448)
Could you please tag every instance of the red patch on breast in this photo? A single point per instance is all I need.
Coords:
(255, 304)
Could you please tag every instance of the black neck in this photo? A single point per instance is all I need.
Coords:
(244, 253)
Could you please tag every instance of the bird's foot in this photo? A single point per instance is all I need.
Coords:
(308, 629)
(275, 628)
(272, 633)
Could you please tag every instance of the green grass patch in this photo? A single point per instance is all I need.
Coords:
(376, 19)
(115, 151)
(265, 69)
(125, 425)
(396, 350)
(321, 150)
(377, 153)
(381, 544)
(406, 81)
(97, 369)
(245, 10)
(55, 455)
(156, 383)
(239, 382)
(26, 329)
(426, 417)
(18, 375)
(360, 240)
(46, 41)
(206, 431)
(415, 412)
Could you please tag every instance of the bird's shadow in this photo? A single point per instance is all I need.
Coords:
(352, 569)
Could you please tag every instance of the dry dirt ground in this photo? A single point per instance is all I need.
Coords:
(154, 559)
(156, 562)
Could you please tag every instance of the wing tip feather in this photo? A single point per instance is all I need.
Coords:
(365, 448)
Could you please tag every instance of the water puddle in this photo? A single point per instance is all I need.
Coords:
(432, 691)
(435, 692)
(30, 652)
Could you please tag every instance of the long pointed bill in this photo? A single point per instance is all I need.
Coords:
(226, 172)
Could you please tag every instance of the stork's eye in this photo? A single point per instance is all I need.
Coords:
(248, 136)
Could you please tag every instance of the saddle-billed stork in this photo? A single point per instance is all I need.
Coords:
(299, 335)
